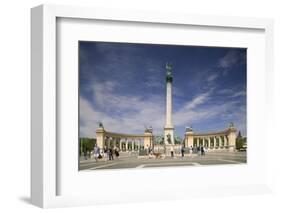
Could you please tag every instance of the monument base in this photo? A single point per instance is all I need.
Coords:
(175, 148)
(169, 133)
(231, 148)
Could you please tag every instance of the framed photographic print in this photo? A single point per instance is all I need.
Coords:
(142, 104)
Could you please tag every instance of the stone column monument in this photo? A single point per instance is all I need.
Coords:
(169, 128)
(189, 136)
(100, 134)
(148, 138)
(231, 137)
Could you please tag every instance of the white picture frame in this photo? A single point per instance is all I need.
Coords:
(44, 149)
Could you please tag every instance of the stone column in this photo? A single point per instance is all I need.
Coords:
(225, 141)
(126, 148)
(100, 136)
(169, 104)
(189, 138)
(169, 128)
(139, 144)
(120, 144)
(232, 138)
(222, 137)
(147, 139)
(134, 144)
(215, 142)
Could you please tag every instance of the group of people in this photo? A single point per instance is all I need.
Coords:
(106, 153)
(199, 149)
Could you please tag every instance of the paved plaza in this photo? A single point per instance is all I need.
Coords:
(127, 160)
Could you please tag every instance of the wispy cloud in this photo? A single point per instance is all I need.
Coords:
(120, 113)
(123, 113)
(229, 59)
(225, 91)
(212, 77)
(239, 93)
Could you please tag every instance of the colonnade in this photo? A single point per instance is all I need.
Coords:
(225, 139)
(124, 144)
(211, 142)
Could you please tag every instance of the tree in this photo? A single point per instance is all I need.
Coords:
(239, 135)
(239, 143)
(87, 145)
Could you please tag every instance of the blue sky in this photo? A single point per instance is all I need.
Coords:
(123, 86)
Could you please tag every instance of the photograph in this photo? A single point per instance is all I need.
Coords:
(161, 105)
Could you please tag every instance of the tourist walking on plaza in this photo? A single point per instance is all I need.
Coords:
(147, 150)
(116, 152)
(182, 151)
(105, 153)
(172, 151)
(202, 150)
(198, 150)
(110, 153)
(96, 152)
(190, 151)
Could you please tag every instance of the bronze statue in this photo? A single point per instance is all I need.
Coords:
(231, 124)
(100, 125)
(169, 138)
(169, 77)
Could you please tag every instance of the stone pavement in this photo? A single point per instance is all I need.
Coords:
(127, 160)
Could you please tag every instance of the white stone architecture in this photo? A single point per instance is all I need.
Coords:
(123, 141)
(220, 140)
(169, 128)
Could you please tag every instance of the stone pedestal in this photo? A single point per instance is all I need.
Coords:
(231, 139)
(100, 134)
(169, 131)
(189, 137)
(168, 150)
(148, 140)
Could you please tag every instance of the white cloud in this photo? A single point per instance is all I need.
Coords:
(229, 59)
(200, 99)
(198, 110)
(240, 93)
(129, 114)
(134, 112)
(225, 91)
(212, 77)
